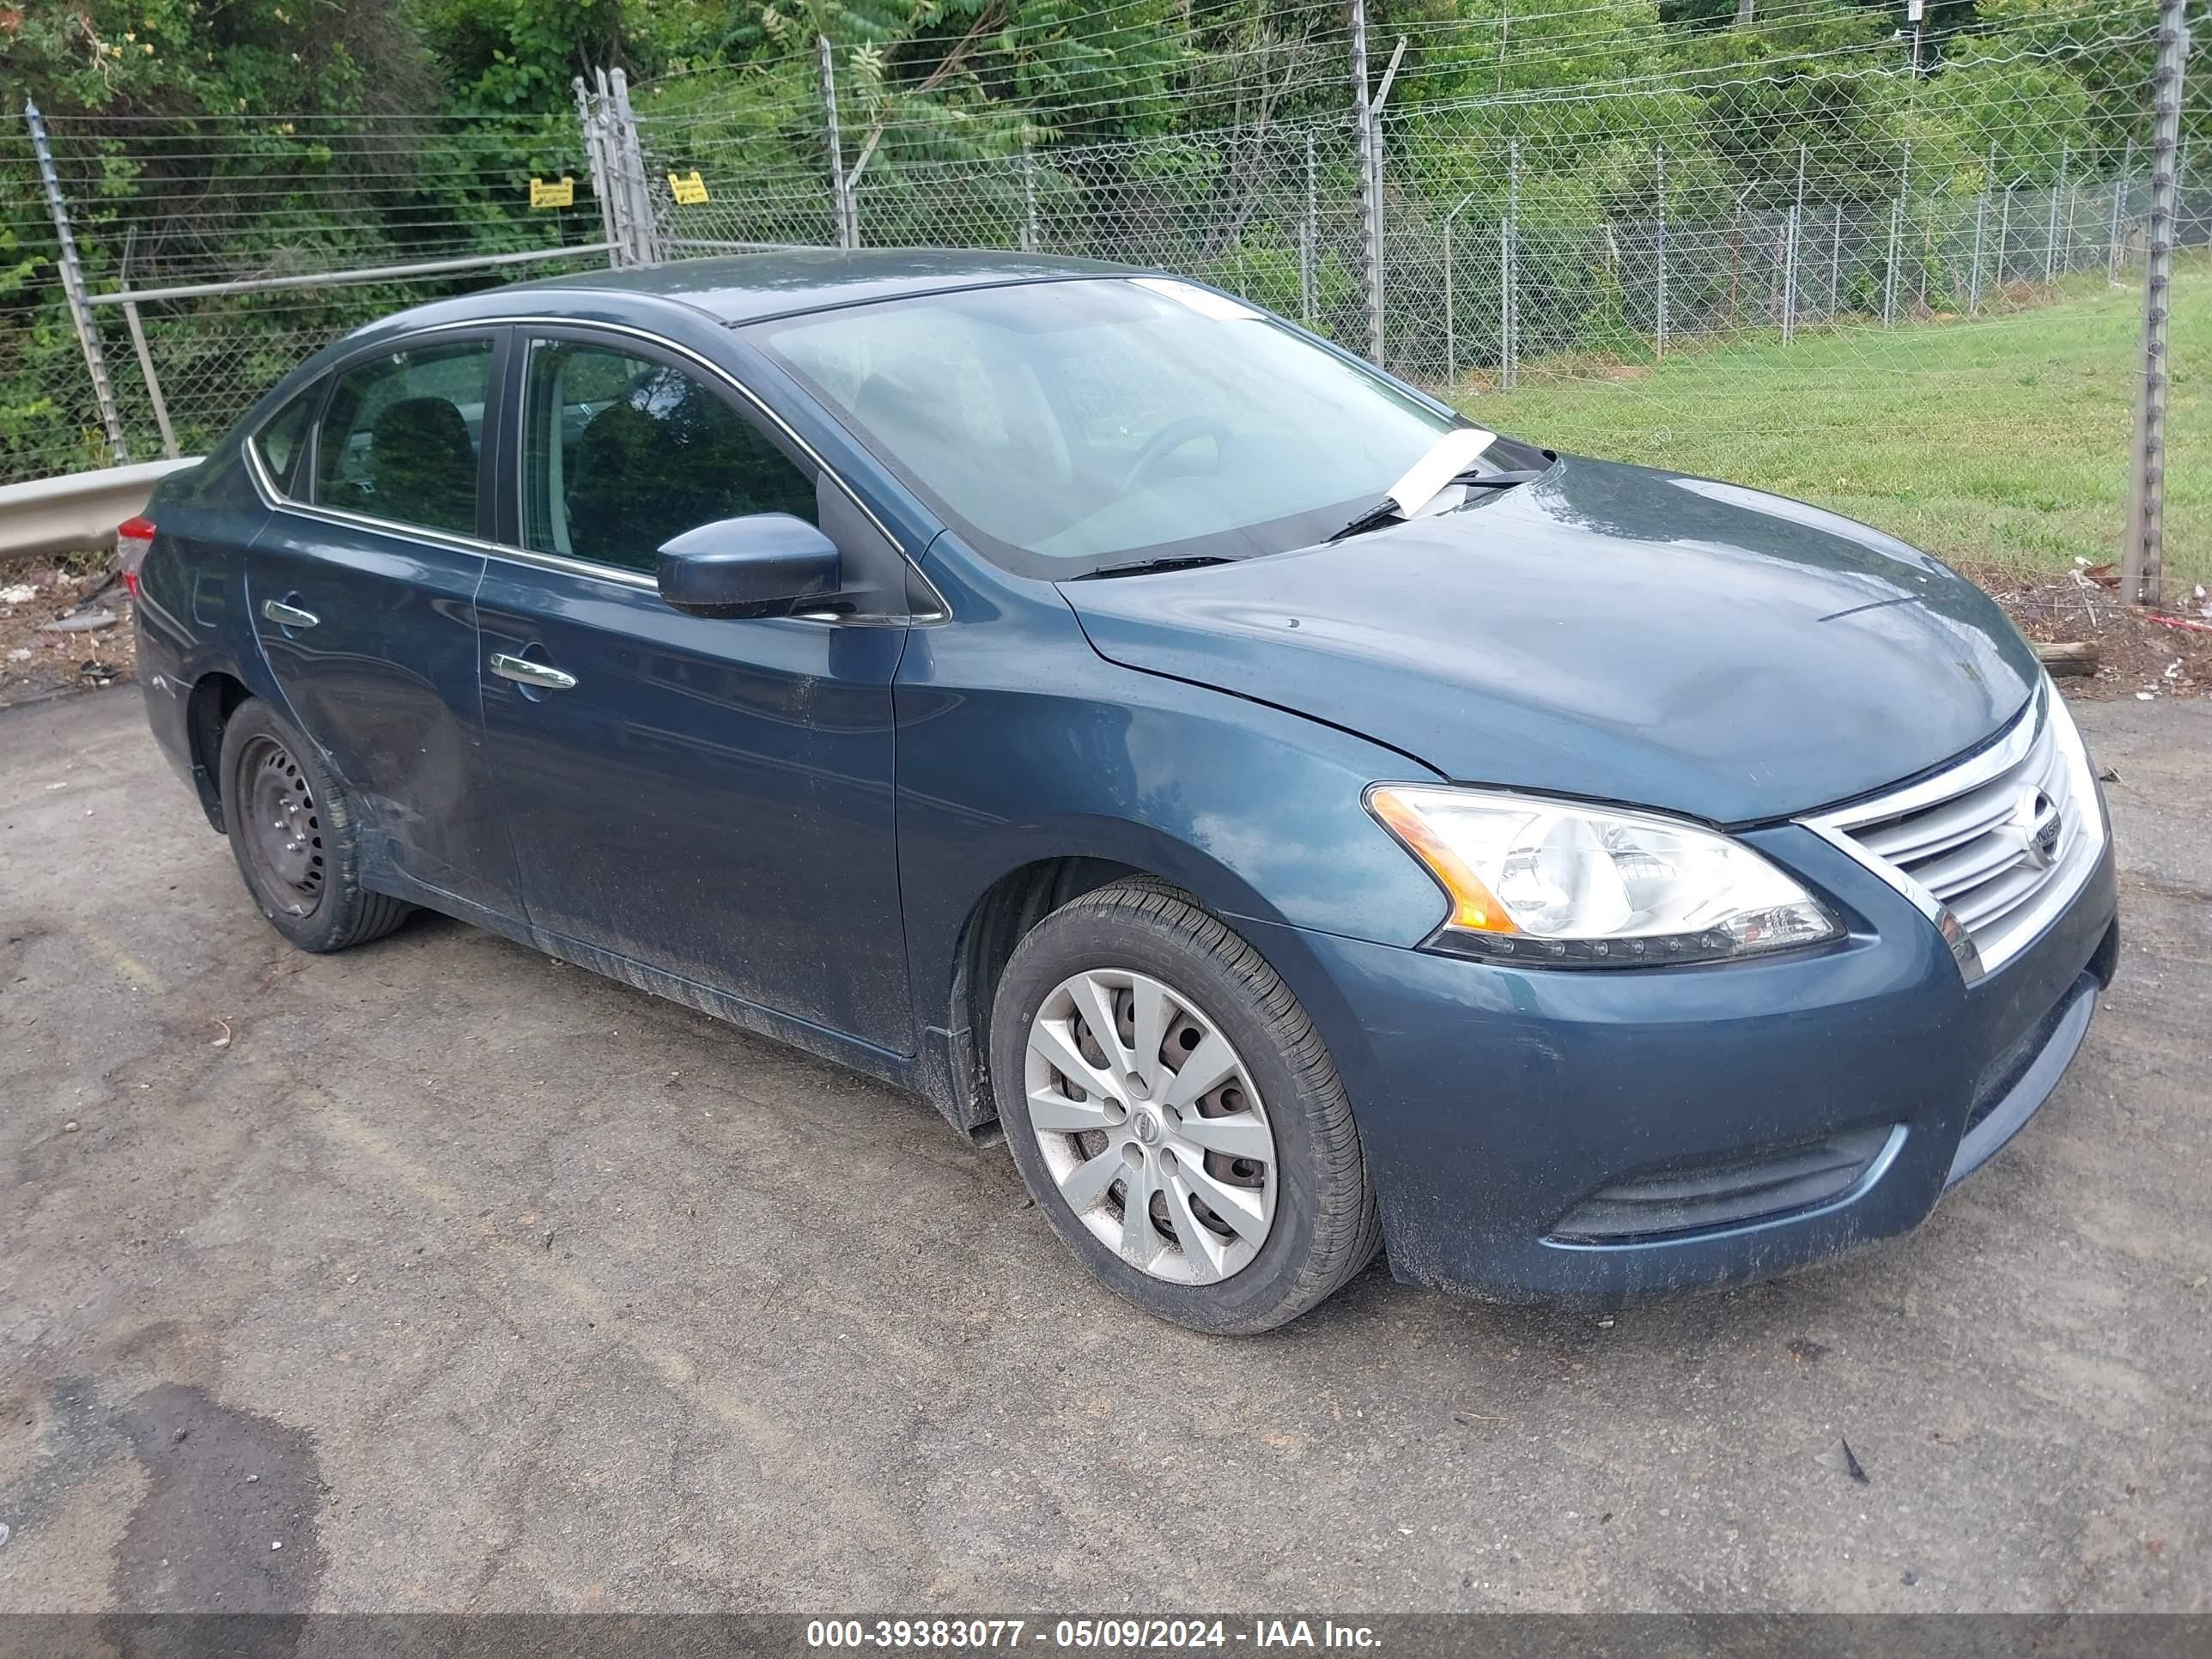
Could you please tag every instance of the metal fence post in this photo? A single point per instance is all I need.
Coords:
(2066, 184)
(595, 161)
(1659, 177)
(153, 381)
(617, 167)
(1896, 242)
(1451, 286)
(2004, 235)
(1836, 264)
(145, 354)
(2119, 206)
(1370, 190)
(1509, 260)
(1789, 256)
(1309, 239)
(72, 273)
(1736, 259)
(2143, 555)
(1981, 219)
(644, 231)
(2050, 229)
(1029, 198)
(1377, 196)
(840, 201)
(1451, 322)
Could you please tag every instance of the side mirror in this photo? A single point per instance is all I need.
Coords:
(760, 565)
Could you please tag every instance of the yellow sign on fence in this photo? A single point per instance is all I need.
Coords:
(557, 193)
(690, 188)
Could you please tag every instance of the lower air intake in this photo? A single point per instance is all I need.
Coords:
(1698, 1197)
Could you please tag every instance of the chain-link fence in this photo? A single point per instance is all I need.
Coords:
(1479, 202)
(213, 255)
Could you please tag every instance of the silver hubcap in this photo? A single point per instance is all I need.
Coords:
(1151, 1127)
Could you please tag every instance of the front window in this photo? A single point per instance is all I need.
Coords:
(621, 453)
(1064, 426)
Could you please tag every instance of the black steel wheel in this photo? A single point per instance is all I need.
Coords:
(293, 832)
(281, 831)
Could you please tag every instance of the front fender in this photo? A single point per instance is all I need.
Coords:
(1019, 742)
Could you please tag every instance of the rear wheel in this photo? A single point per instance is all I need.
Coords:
(292, 832)
(1175, 1114)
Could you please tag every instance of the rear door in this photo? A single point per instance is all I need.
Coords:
(362, 591)
(709, 796)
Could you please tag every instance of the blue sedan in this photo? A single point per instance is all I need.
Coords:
(1303, 822)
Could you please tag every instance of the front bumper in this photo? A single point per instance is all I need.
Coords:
(1495, 1105)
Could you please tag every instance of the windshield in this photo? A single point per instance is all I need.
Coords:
(1063, 426)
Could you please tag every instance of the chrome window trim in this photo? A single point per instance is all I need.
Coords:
(2044, 714)
(276, 501)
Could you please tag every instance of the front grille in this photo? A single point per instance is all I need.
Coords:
(1992, 848)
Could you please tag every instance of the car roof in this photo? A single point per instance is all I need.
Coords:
(748, 287)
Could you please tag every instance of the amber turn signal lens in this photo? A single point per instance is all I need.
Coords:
(1472, 906)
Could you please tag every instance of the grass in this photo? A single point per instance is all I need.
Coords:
(1996, 443)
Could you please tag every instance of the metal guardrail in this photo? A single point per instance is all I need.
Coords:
(79, 510)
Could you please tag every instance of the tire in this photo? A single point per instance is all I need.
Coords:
(1272, 1142)
(306, 876)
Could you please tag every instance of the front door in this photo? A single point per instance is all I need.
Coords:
(711, 797)
(362, 589)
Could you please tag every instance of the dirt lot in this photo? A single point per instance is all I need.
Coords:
(475, 1282)
(64, 626)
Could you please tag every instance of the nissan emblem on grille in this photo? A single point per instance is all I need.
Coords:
(2037, 818)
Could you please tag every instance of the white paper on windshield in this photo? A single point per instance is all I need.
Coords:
(1448, 457)
(1204, 302)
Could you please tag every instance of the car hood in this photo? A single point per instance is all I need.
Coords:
(1605, 631)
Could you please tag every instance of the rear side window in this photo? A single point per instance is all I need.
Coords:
(402, 434)
(621, 453)
(283, 437)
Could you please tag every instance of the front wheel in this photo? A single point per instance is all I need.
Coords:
(1176, 1115)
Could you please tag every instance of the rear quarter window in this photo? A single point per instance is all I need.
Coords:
(283, 438)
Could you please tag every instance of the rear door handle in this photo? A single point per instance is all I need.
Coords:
(288, 615)
(527, 673)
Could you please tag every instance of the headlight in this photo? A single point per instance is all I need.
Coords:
(1550, 882)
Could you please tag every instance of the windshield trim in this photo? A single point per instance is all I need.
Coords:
(1257, 539)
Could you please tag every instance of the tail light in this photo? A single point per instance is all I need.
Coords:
(132, 538)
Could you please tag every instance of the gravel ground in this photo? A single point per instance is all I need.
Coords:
(39, 660)
(475, 1282)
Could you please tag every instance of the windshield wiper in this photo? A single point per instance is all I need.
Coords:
(1388, 511)
(1146, 566)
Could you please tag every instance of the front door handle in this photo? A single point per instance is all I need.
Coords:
(527, 673)
(288, 615)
